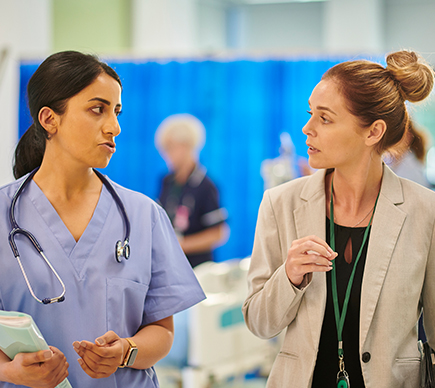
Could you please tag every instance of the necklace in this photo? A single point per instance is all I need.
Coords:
(363, 218)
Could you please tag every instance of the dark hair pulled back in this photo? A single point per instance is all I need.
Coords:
(373, 92)
(60, 77)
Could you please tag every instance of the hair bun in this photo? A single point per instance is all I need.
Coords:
(413, 75)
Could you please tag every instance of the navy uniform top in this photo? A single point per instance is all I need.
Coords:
(192, 207)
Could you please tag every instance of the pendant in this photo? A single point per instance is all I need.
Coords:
(343, 380)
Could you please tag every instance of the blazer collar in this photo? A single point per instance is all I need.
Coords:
(387, 223)
(314, 185)
(391, 187)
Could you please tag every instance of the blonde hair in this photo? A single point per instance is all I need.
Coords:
(373, 92)
(181, 128)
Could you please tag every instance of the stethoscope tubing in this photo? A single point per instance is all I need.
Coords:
(122, 249)
(120, 205)
(15, 228)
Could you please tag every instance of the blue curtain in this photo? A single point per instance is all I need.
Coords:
(244, 105)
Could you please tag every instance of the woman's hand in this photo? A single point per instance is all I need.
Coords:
(102, 358)
(43, 369)
(307, 255)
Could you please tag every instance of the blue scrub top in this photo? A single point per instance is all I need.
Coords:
(101, 294)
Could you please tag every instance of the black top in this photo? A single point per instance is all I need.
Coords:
(325, 372)
(192, 207)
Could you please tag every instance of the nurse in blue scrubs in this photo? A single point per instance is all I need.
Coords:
(116, 320)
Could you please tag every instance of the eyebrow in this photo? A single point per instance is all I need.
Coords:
(326, 108)
(320, 107)
(104, 101)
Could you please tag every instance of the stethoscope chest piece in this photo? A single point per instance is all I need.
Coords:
(122, 250)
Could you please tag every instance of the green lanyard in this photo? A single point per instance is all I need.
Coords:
(339, 319)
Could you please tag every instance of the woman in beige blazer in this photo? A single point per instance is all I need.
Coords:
(358, 113)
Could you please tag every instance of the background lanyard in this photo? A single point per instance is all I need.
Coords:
(339, 319)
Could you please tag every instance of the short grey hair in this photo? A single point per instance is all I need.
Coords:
(181, 128)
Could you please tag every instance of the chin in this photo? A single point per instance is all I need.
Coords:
(101, 164)
(318, 164)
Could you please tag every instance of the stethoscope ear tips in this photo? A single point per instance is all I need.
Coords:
(122, 250)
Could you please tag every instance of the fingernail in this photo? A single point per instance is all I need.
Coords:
(80, 361)
(100, 341)
(48, 354)
(83, 344)
(76, 345)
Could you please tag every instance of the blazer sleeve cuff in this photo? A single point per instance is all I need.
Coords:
(305, 283)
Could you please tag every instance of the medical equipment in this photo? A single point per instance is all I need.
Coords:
(283, 168)
(219, 346)
(122, 249)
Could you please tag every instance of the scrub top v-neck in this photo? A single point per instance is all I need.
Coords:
(75, 251)
(101, 294)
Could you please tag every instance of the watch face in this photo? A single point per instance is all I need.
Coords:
(132, 358)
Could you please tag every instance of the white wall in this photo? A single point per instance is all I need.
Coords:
(289, 27)
(211, 26)
(25, 30)
(354, 26)
(410, 24)
(164, 27)
(339, 26)
(178, 27)
(183, 27)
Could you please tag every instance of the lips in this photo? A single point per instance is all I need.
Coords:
(311, 148)
(110, 146)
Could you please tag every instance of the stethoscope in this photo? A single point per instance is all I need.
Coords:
(122, 249)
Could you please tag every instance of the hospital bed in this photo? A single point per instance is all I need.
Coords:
(216, 343)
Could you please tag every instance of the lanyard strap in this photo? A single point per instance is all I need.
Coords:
(339, 319)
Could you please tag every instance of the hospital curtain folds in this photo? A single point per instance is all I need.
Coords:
(244, 105)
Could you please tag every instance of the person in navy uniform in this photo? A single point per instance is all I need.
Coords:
(187, 194)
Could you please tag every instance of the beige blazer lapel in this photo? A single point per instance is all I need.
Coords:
(310, 219)
(387, 223)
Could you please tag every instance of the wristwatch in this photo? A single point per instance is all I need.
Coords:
(130, 357)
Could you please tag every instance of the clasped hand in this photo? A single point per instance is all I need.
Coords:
(102, 358)
(307, 255)
(42, 369)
